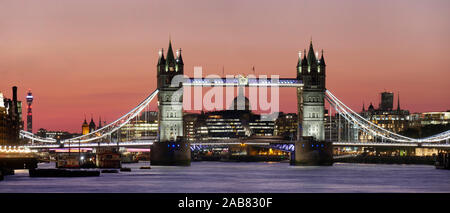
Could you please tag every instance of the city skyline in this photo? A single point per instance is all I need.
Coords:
(51, 58)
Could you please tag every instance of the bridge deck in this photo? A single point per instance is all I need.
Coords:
(146, 143)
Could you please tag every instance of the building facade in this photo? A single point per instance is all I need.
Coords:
(286, 125)
(225, 125)
(43, 133)
(30, 99)
(11, 119)
(418, 120)
(144, 127)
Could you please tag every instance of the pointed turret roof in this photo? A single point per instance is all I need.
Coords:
(322, 60)
(161, 59)
(170, 58)
(311, 55)
(299, 62)
(305, 60)
(179, 58)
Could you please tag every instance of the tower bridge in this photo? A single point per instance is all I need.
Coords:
(169, 147)
(271, 142)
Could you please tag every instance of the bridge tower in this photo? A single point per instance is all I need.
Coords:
(171, 148)
(311, 98)
(310, 147)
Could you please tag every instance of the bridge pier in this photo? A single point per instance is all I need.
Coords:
(312, 153)
(176, 153)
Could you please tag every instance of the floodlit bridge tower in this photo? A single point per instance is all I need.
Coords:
(311, 147)
(311, 101)
(171, 148)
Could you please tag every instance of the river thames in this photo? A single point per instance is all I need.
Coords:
(242, 177)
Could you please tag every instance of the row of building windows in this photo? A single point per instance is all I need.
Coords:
(313, 115)
(171, 115)
(313, 99)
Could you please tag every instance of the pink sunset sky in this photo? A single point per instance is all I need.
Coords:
(99, 57)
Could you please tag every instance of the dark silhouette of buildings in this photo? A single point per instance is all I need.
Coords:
(10, 119)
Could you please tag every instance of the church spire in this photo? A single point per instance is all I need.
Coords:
(398, 101)
(99, 122)
(363, 109)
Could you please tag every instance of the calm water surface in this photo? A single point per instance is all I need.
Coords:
(243, 177)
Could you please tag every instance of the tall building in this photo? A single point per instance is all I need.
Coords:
(387, 101)
(30, 99)
(170, 97)
(4, 122)
(190, 124)
(286, 126)
(11, 119)
(311, 99)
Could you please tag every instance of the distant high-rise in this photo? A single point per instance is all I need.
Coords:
(29, 111)
(10, 119)
(387, 101)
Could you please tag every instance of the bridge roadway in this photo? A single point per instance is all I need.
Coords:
(260, 142)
